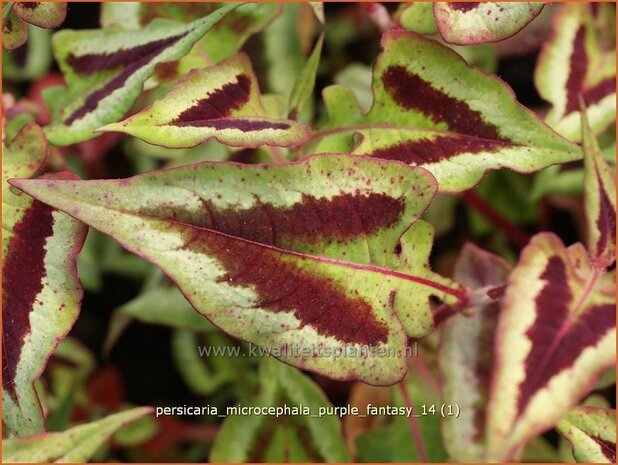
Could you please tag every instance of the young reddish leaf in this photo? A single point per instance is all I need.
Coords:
(465, 355)
(576, 63)
(41, 293)
(47, 15)
(556, 335)
(77, 444)
(225, 39)
(266, 438)
(14, 32)
(592, 434)
(478, 23)
(105, 70)
(223, 102)
(600, 200)
(435, 111)
(287, 257)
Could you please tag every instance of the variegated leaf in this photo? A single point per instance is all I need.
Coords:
(600, 200)
(267, 438)
(43, 14)
(297, 258)
(77, 444)
(224, 39)
(465, 355)
(222, 102)
(592, 434)
(105, 70)
(41, 293)
(555, 336)
(433, 110)
(576, 63)
(14, 32)
(481, 22)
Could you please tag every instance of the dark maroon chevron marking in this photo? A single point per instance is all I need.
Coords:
(464, 7)
(30, 5)
(21, 282)
(578, 64)
(412, 92)
(608, 448)
(600, 91)
(284, 287)
(311, 220)
(96, 62)
(244, 125)
(606, 222)
(424, 151)
(219, 103)
(557, 340)
(132, 59)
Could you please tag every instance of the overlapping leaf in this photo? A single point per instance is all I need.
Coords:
(47, 15)
(294, 258)
(477, 23)
(417, 17)
(465, 355)
(77, 444)
(575, 62)
(33, 61)
(555, 336)
(287, 438)
(225, 38)
(431, 109)
(600, 200)
(105, 70)
(221, 102)
(592, 434)
(14, 32)
(41, 292)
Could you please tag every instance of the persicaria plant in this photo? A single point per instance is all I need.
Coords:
(260, 186)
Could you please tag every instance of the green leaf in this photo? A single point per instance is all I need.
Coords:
(106, 69)
(41, 293)
(291, 438)
(221, 102)
(77, 444)
(283, 51)
(303, 89)
(206, 373)
(556, 335)
(284, 257)
(575, 63)
(599, 199)
(37, 60)
(43, 14)
(465, 355)
(435, 111)
(417, 17)
(393, 442)
(160, 305)
(478, 23)
(592, 434)
(14, 32)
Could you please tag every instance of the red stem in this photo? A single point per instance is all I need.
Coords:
(417, 437)
(517, 235)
